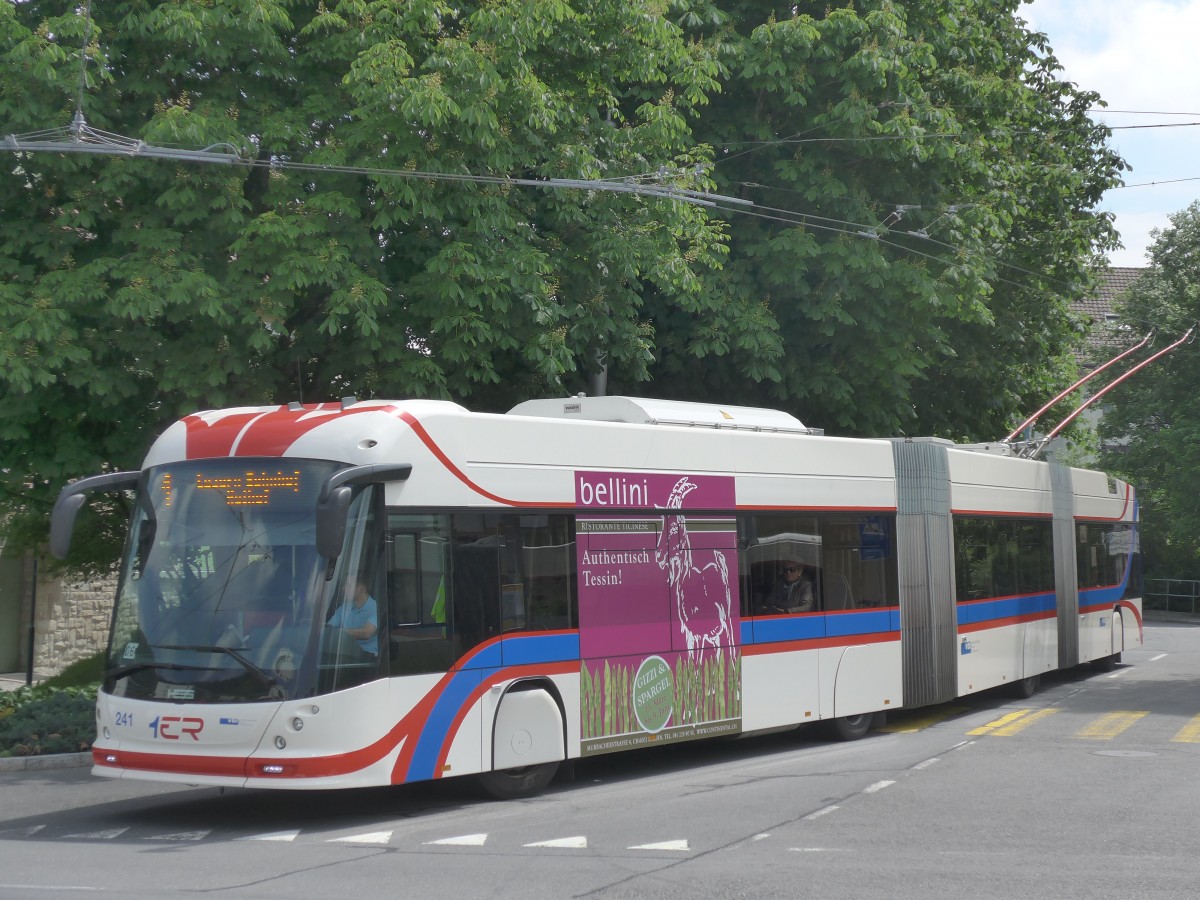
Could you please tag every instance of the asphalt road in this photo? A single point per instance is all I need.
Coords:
(1088, 789)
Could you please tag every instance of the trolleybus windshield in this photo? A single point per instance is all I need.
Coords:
(221, 583)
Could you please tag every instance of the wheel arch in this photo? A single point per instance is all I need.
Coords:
(513, 694)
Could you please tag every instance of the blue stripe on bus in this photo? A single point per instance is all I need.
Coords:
(1101, 596)
(783, 628)
(540, 648)
(867, 621)
(518, 650)
(776, 629)
(436, 728)
(1091, 599)
(1005, 608)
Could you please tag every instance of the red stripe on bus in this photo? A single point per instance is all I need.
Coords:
(1137, 616)
(1008, 620)
(1117, 518)
(230, 766)
(431, 444)
(559, 668)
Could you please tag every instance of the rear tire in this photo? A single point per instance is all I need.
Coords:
(513, 784)
(1026, 687)
(851, 728)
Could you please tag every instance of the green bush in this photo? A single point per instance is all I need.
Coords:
(57, 716)
(39, 720)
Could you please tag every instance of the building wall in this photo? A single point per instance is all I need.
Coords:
(71, 621)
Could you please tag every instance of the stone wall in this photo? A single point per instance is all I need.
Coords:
(71, 622)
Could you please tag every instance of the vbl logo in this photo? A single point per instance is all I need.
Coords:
(172, 728)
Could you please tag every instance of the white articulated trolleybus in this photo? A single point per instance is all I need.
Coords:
(576, 577)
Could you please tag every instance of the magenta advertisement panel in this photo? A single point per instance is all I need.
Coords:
(658, 609)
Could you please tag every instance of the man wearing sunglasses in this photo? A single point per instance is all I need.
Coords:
(796, 589)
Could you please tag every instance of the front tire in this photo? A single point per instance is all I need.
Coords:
(514, 784)
(1107, 664)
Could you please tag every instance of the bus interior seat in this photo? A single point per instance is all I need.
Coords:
(837, 592)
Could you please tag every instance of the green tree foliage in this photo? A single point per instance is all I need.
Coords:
(943, 177)
(135, 289)
(1154, 417)
(943, 174)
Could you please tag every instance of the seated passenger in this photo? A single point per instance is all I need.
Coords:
(794, 592)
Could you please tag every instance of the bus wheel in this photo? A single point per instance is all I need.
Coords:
(851, 728)
(1026, 687)
(1107, 664)
(512, 784)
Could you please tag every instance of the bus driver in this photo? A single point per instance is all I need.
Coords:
(358, 617)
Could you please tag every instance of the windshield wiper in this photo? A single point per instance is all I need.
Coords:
(267, 678)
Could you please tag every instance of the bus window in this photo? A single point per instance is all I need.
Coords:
(417, 555)
(539, 590)
(475, 580)
(858, 565)
(1102, 552)
(1002, 557)
(849, 558)
(782, 565)
(351, 646)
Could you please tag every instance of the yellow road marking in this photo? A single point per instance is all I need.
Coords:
(1110, 725)
(1012, 723)
(911, 724)
(1189, 733)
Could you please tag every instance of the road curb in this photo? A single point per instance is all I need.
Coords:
(48, 761)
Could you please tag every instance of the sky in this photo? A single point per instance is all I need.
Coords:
(1143, 58)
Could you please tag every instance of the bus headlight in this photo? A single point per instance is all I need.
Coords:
(280, 742)
(297, 724)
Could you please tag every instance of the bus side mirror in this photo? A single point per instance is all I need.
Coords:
(331, 521)
(71, 499)
(333, 504)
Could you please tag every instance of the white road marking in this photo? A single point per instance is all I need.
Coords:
(1157, 658)
(100, 835)
(273, 836)
(23, 832)
(465, 840)
(371, 837)
(180, 836)
(927, 763)
(1118, 673)
(662, 845)
(821, 812)
(571, 843)
(877, 786)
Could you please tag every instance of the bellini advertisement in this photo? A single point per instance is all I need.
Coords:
(658, 609)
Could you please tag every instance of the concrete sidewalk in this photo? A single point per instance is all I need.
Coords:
(13, 680)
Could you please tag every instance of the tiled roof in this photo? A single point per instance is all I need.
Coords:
(1107, 335)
